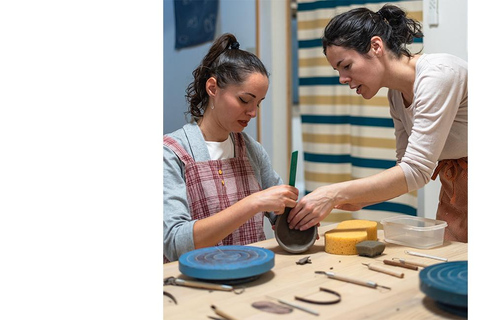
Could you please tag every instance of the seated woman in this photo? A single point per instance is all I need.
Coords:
(218, 181)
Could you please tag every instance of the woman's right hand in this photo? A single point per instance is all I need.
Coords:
(276, 198)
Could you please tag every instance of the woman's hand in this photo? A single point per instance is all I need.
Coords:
(276, 198)
(311, 209)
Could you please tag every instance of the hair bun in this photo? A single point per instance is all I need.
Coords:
(235, 45)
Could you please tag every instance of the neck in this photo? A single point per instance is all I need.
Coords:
(209, 132)
(400, 76)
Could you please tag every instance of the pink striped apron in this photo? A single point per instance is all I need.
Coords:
(453, 198)
(215, 185)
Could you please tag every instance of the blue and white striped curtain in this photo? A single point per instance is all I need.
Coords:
(344, 136)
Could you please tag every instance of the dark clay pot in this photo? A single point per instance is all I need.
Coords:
(291, 240)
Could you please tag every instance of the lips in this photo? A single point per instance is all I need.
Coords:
(358, 89)
(243, 123)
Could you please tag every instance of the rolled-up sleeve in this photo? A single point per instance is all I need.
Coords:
(436, 103)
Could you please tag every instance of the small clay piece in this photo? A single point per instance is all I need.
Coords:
(370, 248)
(271, 307)
(304, 261)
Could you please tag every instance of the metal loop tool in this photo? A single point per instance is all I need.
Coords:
(201, 285)
(339, 297)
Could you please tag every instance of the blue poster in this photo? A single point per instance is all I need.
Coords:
(195, 22)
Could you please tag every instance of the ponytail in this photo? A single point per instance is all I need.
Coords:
(228, 64)
(354, 29)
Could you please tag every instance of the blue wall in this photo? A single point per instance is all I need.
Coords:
(235, 16)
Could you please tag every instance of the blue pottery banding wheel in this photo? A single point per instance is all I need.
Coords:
(226, 262)
(447, 284)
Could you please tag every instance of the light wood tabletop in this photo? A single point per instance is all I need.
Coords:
(288, 279)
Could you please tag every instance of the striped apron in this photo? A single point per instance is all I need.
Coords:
(453, 199)
(215, 185)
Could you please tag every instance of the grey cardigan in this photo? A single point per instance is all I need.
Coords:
(177, 221)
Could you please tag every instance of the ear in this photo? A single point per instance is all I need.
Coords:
(377, 46)
(211, 86)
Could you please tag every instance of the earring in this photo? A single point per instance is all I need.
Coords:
(213, 107)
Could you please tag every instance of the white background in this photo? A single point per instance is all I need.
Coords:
(80, 159)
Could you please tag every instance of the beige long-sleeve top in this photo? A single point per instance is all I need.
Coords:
(435, 126)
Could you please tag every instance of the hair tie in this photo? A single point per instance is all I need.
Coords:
(235, 45)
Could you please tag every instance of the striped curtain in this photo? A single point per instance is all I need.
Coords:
(344, 136)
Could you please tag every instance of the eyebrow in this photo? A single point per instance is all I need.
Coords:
(251, 94)
(338, 63)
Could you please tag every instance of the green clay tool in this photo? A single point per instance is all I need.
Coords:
(293, 168)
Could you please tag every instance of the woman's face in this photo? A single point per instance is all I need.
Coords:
(362, 73)
(236, 105)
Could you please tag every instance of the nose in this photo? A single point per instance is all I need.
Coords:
(252, 113)
(344, 80)
(344, 77)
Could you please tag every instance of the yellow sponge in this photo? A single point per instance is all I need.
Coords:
(367, 225)
(343, 242)
(343, 239)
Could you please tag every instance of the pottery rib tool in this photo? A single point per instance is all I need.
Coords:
(293, 168)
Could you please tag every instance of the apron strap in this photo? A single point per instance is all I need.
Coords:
(451, 171)
(173, 145)
(239, 143)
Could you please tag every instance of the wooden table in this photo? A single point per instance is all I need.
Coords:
(287, 279)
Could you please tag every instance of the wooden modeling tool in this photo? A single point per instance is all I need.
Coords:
(384, 270)
(413, 263)
(222, 313)
(364, 283)
(400, 264)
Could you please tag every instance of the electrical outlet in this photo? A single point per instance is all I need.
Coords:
(433, 13)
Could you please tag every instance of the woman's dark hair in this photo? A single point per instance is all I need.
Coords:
(227, 64)
(354, 29)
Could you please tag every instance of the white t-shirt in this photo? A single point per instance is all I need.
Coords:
(435, 126)
(221, 150)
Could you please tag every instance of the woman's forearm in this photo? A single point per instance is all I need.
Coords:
(211, 230)
(380, 187)
(353, 194)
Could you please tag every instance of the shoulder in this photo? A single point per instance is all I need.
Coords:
(441, 70)
(441, 62)
(250, 143)
(187, 135)
(255, 150)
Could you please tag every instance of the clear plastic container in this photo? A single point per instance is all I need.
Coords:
(414, 232)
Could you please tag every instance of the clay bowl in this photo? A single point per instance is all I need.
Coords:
(291, 240)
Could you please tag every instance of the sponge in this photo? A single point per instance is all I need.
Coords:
(369, 226)
(343, 242)
(370, 248)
